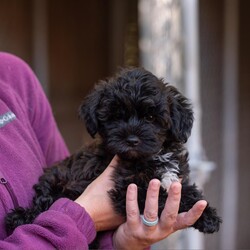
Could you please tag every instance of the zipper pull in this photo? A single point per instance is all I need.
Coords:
(3, 180)
(10, 190)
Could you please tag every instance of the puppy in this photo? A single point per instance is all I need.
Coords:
(146, 123)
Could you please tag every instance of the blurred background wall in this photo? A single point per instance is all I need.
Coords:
(73, 44)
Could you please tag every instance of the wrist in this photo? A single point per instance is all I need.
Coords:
(103, 215)
(89, 209)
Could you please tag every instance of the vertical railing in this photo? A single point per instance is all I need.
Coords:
(161, 38)
(169, 46)
(230, 126)
(200, 167)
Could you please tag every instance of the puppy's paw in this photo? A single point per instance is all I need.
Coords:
(15, 219)
(209, 222)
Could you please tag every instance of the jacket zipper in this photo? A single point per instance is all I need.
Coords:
(4, 182)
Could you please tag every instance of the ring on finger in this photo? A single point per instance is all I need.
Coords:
(149, 223)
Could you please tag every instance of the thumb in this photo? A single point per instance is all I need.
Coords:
(110, 168)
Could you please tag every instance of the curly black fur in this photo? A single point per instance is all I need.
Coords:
(145, 122)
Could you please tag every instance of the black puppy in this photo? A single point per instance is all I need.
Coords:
(145, 122)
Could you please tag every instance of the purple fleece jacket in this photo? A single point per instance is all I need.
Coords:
(30, 140)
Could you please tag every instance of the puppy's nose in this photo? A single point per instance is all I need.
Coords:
(132, 140)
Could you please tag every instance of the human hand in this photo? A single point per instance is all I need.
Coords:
(133, 234)
(96, 201)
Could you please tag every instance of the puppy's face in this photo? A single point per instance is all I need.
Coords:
(136, 114)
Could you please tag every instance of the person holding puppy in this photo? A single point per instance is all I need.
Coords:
(29, 141)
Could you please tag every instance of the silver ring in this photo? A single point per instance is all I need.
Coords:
(149, 223)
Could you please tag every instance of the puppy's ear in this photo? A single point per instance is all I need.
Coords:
(87, 111)
(181, 115)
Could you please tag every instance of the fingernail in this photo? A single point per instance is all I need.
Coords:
(132, 187)
(176, 187)
(202, 204)
(155, 183)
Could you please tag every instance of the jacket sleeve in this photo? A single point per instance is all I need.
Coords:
(106, 240)
(66, 225)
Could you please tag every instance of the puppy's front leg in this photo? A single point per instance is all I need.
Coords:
(209, 222)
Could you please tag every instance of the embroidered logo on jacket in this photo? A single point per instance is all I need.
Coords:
(6, 118)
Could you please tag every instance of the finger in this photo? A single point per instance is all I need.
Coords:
(170, 212)
(132, 209)
(151, 203)
(187, 219)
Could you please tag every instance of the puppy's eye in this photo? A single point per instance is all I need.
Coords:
(149, 118)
